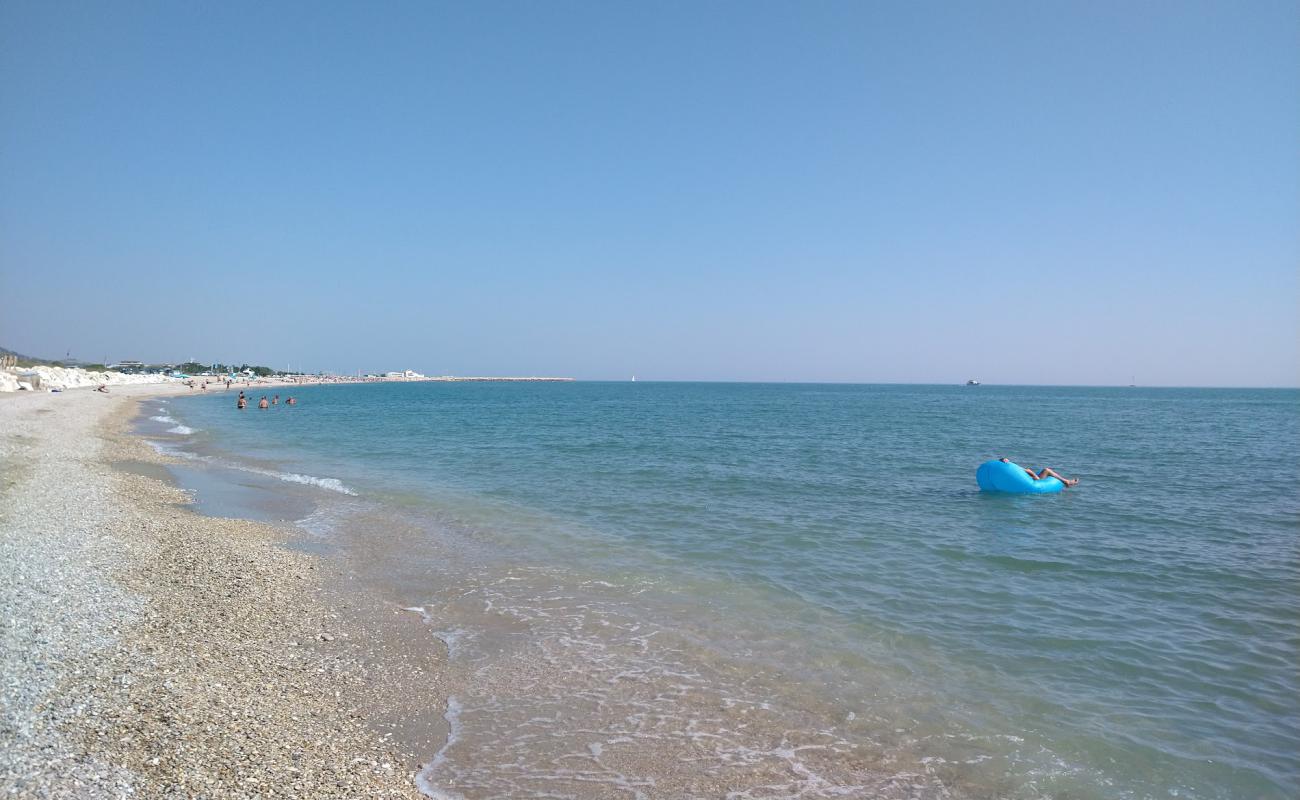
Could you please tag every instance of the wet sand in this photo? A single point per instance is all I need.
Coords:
(151, 651)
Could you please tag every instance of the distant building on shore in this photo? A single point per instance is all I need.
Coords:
(404, 374)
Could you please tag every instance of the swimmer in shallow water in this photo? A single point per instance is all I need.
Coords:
(263, 403)
(1047, 472)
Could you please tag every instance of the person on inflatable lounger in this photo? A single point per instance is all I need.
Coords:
(1047, 472)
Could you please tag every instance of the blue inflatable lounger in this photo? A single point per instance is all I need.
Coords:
(1000, 476)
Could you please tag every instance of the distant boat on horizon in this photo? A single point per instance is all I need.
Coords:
(634, 379)
(972, 382)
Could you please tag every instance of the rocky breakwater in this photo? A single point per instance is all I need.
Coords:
(13, 379)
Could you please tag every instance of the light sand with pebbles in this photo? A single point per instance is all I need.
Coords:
(151, 652)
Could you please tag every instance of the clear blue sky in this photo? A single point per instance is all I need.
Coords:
(1027, 192)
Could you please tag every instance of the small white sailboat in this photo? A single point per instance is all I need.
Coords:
(972, 382)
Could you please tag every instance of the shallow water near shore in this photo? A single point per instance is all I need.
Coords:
(760, 591)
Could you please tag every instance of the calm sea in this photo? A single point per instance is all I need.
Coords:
(763, 591)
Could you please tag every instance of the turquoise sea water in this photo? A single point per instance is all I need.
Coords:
(662, 589)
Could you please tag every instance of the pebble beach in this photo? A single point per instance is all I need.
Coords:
(146, 651)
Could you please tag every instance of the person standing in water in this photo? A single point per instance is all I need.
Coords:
(263, 403)
(1047, 472)
(275, 401)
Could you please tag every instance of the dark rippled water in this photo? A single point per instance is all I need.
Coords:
(799, 588)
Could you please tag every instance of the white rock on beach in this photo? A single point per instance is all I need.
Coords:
(72, 378)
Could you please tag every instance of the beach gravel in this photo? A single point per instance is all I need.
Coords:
(146, 651)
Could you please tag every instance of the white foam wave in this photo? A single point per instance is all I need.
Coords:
(418, 610)
(333, 484)
(424, 779)
(452, 638)
(165, 448)
(321, 521)
(164, 419)
(183, 430)
(159, 447)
